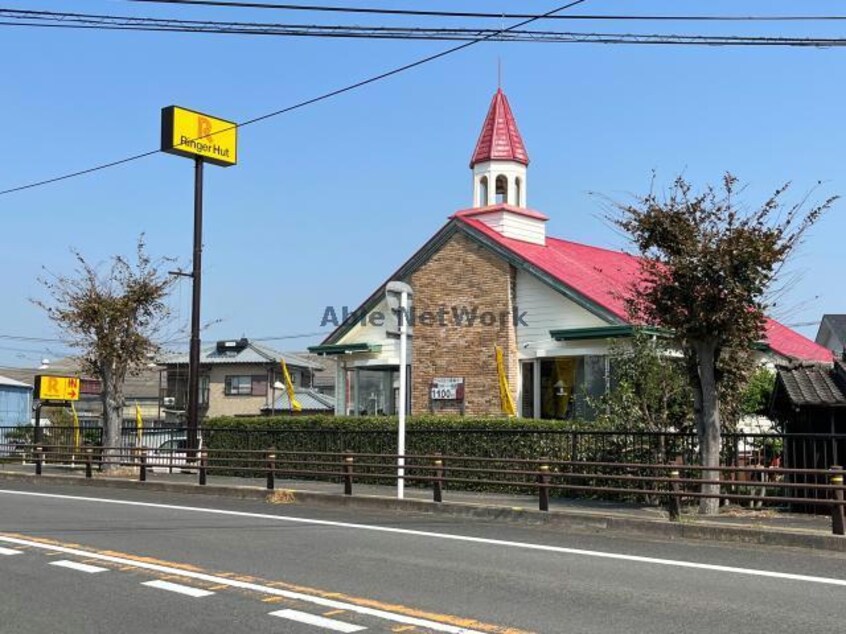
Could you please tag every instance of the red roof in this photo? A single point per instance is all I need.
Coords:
(500, 139)
(604, 277)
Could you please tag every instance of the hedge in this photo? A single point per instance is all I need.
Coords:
(425, 435)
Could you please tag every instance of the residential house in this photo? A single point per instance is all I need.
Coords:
(491, 276)
(238, 377)
(832, 333)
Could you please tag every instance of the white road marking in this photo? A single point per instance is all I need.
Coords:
(74, 565)
(319, 621)
(178, 588)
(243, 585)
(9, 551)
(754, 572)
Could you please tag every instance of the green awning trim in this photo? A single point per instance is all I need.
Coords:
(606, 332)
(344, 348)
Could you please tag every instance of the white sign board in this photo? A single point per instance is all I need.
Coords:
(446, 388)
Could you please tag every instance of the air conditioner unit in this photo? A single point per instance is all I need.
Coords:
(169, 401)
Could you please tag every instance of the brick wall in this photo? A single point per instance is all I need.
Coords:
(463, 275)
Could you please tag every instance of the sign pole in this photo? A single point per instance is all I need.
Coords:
(402, 398)
(196, 274)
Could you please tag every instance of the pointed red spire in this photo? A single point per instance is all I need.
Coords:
(500, 139)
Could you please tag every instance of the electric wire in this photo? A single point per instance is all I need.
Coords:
(302, 104)
(494, 16)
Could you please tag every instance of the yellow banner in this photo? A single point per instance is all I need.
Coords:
(505, 397)
(289, 387)
(56, 388)
(191, 134)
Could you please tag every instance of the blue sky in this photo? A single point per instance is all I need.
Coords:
(328, 200)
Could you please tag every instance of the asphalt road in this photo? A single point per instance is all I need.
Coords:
(156, 562)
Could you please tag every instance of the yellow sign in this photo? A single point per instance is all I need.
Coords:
(191, 134)
(56, 388)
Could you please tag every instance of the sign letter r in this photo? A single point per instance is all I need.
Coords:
(204, 129)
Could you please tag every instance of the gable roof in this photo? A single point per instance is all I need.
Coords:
(605, 277)
(812, 384)
(500, 139)
(836, 325)
(597, 279)
(253, 353)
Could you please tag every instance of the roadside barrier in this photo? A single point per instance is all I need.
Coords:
(672, 484)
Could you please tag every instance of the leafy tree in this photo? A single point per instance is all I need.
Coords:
(759, 390)
(112, 318)
(708, 264)
(649, 387)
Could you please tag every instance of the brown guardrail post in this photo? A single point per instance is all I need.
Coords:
(39, 459)
(348, 473)
(674, 502)
(838, 526)
(202, 467)
(88, 453)
(437, 484)
(543, 487)
(271, 469)
(142, 467)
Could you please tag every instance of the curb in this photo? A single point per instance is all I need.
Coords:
(584, 521)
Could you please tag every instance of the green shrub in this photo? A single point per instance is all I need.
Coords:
(456, 437)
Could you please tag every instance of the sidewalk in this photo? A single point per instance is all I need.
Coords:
(733, 524)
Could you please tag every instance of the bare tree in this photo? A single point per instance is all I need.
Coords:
(707, 265)
(112, 318)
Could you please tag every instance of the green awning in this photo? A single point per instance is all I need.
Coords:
(606, 332)
(345, 348)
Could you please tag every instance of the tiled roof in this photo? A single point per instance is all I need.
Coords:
(500, 139)
(812, 384)
(605, 277)
(310, 400)
(253, 353)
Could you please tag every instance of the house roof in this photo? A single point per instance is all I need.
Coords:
(812, 384)
(605, 277)
(836, 325)
(310, 400)
(500, 139)
(596, 278)
(252, 353)
(7, 382)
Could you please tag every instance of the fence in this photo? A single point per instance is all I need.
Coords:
(804, 453)
(673, 484)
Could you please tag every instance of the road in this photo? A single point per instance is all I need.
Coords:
(85, 559)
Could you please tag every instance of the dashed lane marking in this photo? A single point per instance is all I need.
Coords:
(178, 588)
(9, 551)
(383, 614)
(75, 565)
(318, 621)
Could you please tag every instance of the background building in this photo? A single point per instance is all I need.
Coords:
(237, 378)
(15, 402)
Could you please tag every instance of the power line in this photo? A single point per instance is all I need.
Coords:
(49, 19)
(328, 95)
(495, 16)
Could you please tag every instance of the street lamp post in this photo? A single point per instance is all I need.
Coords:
(403, 290)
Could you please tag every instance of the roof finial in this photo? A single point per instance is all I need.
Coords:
(499, 73)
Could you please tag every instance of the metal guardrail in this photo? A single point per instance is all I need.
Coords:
(674, 483)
